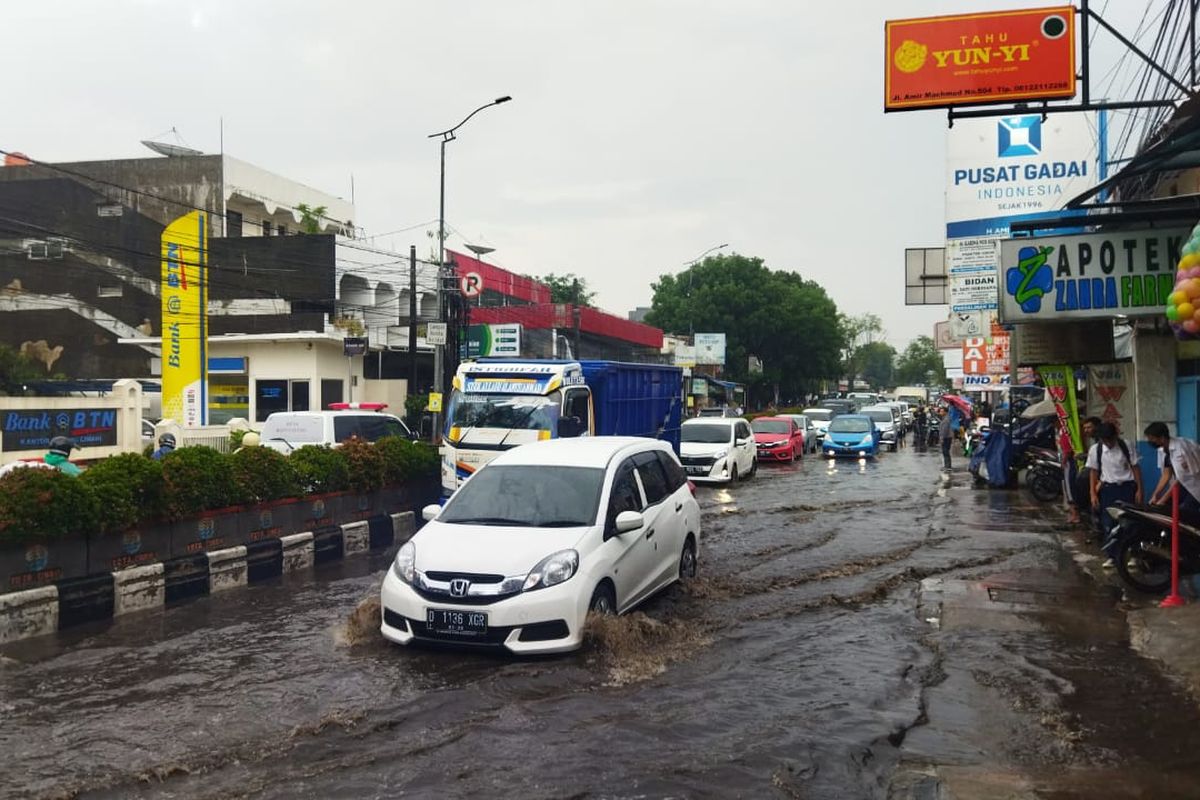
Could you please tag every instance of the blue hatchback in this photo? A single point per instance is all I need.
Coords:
(852, 435)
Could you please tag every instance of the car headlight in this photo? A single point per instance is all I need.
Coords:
(867, 439)
(405, 564)
(552, 570)
(719, 454)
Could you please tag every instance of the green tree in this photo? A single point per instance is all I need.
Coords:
(920, 363)
(568, 288)
(310, 217)
(857, 331)
(876, 362)
(16, 370)
(788, 322)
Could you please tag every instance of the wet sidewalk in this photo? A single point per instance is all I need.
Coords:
(1045, 682)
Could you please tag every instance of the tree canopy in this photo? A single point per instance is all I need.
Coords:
(918, 361)
(568, 288)
(17, 369)
(788, 322)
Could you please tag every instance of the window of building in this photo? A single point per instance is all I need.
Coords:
(233, 223)
(281, 230)
(270, 396)
(331, 392)
(266, 227)
(110, 290)
(300, 399)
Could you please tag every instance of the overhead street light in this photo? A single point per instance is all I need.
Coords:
(691, 331)
(447, 136)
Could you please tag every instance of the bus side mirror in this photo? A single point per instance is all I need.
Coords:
(569, 427)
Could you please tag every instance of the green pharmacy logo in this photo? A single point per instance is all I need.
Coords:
(1031, 279)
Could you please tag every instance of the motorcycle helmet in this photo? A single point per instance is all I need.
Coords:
(167, 440)
(62, 445)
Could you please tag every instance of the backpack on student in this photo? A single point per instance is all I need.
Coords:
(1100, 457)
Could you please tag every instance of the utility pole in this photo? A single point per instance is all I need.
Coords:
(412, 319)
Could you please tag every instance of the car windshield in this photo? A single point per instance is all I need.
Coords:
(520, 411)
(850, 425)
(706, 434)
(527, 496)
(770, 426)
(818, 414)
(879, 415)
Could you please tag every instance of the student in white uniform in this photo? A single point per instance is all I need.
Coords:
(1115, 477)
(1179, 460)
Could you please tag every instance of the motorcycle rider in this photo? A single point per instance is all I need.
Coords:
(166, 444)
(1179, 460)
(1115, 477)
(920, 418)
(60, 452)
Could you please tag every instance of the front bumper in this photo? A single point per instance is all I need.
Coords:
(512, 622)
(852, 450)
(716, 472)
(774, 454)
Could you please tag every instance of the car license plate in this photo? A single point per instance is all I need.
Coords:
(697, 470)
(461, 623)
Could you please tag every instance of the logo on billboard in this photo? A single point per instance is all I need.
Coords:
(1019, 136)
(1031, 279)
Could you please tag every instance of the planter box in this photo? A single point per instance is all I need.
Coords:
(136, 547)
(42, 562)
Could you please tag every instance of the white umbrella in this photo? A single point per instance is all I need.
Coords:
(1042, 408)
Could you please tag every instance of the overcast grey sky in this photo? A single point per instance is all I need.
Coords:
(642, 132)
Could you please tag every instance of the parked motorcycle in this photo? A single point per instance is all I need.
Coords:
(1143, 557)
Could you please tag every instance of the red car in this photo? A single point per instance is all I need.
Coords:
(778, 439)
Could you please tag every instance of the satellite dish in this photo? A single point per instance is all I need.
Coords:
(171, 150)
(165, 149)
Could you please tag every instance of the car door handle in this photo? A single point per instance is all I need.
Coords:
(649, 534)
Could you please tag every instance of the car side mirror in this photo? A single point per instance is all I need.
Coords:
(628, 521)
(740, 442)
(431, 512)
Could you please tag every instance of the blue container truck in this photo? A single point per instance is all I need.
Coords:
(498, 403)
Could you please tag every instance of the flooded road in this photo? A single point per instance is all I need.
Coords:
(859, 630)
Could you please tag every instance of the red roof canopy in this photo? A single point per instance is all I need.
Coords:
(562, 315)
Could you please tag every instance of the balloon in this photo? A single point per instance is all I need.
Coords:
(1176, 297)
(1196, 315)
(1172, 314)
(1188, 261)
(1185, 310)
(1190, 326)
(1194, 272)
(1192, 288)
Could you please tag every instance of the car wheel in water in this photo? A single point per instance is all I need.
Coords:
(687, 561)
(753, 469)
(603, 601)
(733, 474)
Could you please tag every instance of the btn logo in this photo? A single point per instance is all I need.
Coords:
(264, 519)
(37, 557)
(206, 528)
(1020, 136)
(131, 542)
(318, 508)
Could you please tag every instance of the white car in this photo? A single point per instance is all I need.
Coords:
(819, 417)
(887, 419)
(286, 431)
(539, 537)
(717, 450)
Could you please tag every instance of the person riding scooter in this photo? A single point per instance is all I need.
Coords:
(166, 444)
(60, 452)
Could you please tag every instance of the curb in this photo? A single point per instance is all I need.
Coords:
(47, 609)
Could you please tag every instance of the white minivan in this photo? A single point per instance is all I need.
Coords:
(286, 431)
(717, 450)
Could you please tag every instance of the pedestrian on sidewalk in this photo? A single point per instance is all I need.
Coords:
(1083, 480)
(1115, 478)
(1179, 460)
(946, 433)
(1070, 466)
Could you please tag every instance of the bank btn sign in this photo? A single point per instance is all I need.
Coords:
(1008, 169)
(1128, 273)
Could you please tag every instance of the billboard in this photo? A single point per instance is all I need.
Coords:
(710, 348)
(969, 59)
(184, 292)
(1089, 276)
(1001, 170)
(493, 340)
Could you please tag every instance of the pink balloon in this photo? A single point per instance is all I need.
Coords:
(1190, 326)
(1194, 272)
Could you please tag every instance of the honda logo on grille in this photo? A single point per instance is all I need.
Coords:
(459, 586)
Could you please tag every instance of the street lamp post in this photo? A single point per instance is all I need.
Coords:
(700, 257)
(447, 136)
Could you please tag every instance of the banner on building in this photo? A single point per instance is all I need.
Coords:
(184, 293)
(1110, 396)
(32, 429)
(1089, 276)
(969, 59)
(973, 266)
(494, 340)
(1059, 381)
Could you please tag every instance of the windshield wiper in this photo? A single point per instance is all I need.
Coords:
(519, 424)
(562, 523)
(488, 521)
